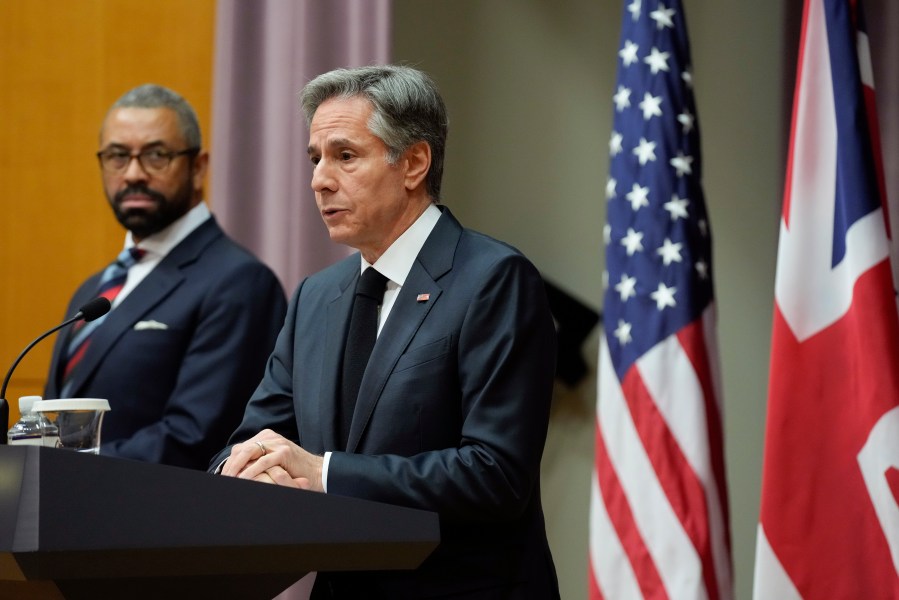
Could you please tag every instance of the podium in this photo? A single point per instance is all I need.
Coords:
(76, 526)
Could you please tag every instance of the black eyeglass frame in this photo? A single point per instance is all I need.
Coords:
(169, 154)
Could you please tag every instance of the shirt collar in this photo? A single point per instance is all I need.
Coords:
(397, 260)
(162, 242)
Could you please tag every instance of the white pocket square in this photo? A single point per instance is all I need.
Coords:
(141, 325)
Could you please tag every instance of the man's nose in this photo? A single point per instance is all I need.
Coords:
(134, 170)
(322, 178)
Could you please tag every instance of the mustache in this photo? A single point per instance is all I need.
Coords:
(139, 189)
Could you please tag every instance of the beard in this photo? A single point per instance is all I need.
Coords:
(143, 222)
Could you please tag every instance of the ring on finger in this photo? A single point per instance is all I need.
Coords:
(263, 448)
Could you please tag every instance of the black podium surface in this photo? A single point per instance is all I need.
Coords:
(84, 526)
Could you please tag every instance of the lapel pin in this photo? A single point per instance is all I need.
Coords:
(423, 297)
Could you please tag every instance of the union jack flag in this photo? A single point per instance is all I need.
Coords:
(659, 524)
(829, 524)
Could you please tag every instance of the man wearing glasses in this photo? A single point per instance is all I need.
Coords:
(194, 316)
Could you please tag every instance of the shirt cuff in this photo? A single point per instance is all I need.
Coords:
(325, 463)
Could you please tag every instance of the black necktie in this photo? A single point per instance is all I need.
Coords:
(359, 342)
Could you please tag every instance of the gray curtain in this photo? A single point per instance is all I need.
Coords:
(266, 50)
(882, 17)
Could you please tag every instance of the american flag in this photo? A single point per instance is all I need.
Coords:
(829, 525)
(659, 525)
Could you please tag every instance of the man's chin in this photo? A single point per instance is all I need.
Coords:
(139, 223)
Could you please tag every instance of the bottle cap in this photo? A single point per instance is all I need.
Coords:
(26, 403)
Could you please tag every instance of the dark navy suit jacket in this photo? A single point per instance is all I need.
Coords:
(176, 393)
(451, 417)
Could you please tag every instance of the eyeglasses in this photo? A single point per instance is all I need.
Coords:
(152, 160)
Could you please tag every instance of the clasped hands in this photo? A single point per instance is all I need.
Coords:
(272, 458)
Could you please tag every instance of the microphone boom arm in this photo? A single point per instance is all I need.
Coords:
(22, 354)
(94, 309)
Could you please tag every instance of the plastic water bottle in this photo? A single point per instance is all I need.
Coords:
(27, 430)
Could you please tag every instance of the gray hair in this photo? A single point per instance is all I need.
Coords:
(407, 109)
(150, 95)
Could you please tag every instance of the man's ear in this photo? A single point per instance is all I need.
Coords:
(418, 162)
(199, 168)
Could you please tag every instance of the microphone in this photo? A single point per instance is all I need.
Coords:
(91, 311)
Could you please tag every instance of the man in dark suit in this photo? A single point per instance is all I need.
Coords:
(194, 318)
(453, 407)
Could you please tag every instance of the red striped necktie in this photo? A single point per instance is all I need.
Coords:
(111, 283)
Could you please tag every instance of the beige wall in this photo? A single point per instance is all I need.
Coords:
(62, 63)
(529, 86)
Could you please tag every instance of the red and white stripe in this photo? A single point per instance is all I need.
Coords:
(658, 515)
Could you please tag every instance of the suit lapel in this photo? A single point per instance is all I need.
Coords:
(434, 260)
(337, 317)
(159, 284)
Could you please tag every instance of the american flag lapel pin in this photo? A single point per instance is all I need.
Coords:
(423, 297)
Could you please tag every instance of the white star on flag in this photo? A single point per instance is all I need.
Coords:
(623, 333)
(682, 164)
(670, 252)
(638, 196)
(627, 287)
(702, 269)
(651, 106)
(657, 60)
(685, 119)
(662, 16)
(645, 151)
(622, 98)
(664, 296)
(628, 54)
(634, 9)
(615, 143)
(633, 241)
(677, 207)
